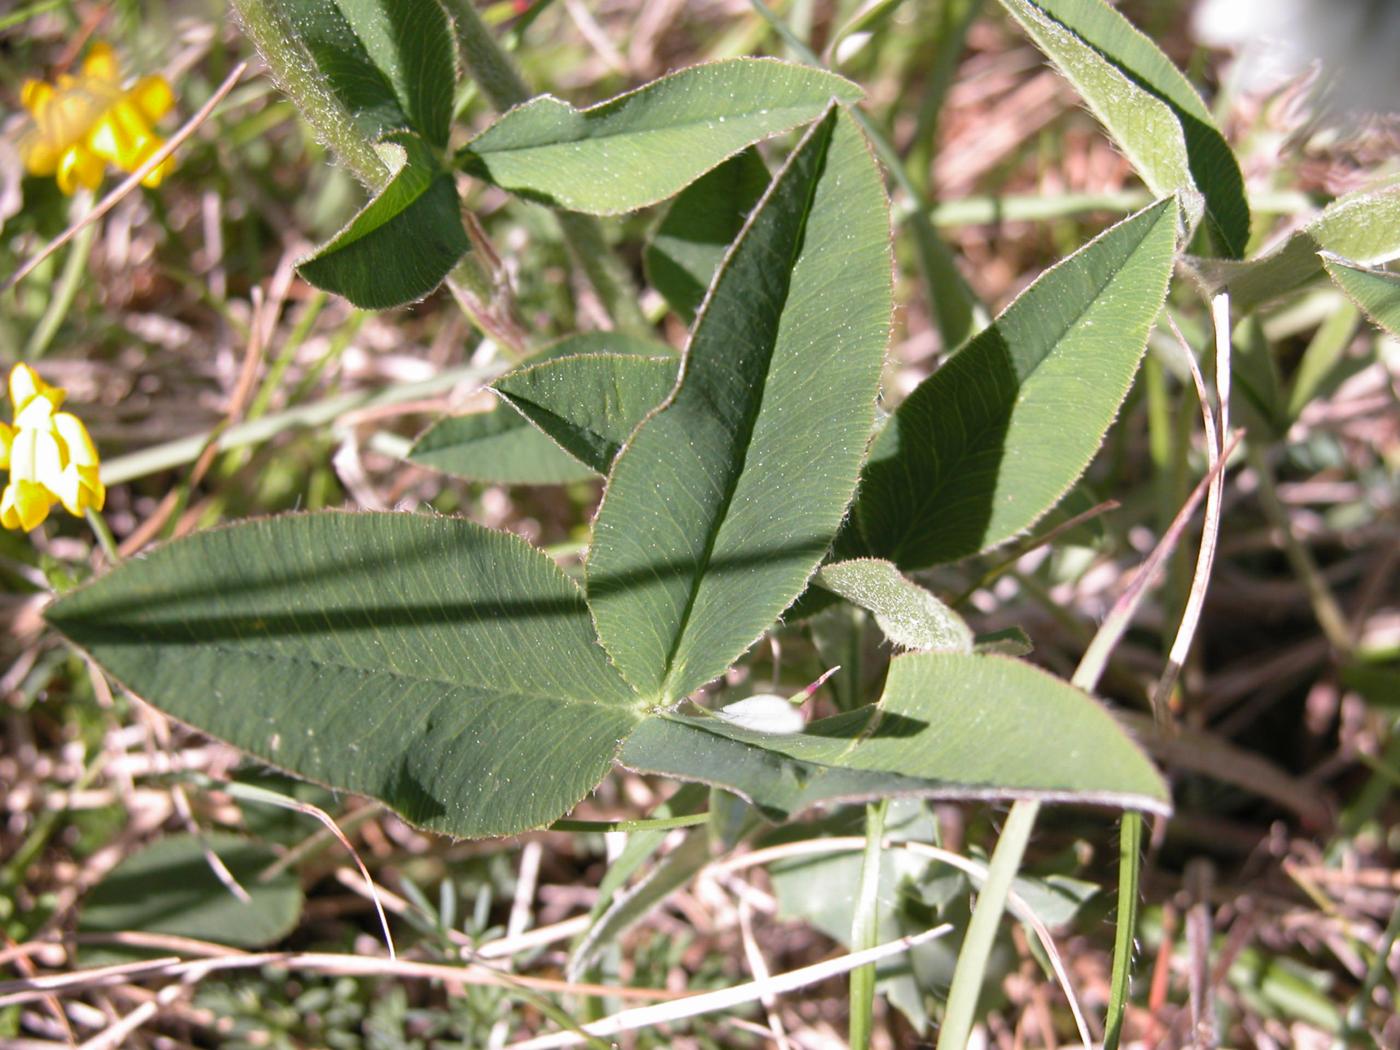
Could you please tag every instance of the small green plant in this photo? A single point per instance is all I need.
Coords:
(464, 679)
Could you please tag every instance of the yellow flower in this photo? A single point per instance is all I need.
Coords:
(49, 454)
(82, 121)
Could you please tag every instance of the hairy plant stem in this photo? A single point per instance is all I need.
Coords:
(503, 85)
(297, 75)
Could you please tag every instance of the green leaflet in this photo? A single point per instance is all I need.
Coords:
(1150, 109)
(910, 616)
(391, 63)
(994, 438)
(646, 145)
(1363, 227)
(589, 403)
(727, 497)
(690, 243)
(391, 68)
(1377, 292)
(949, 725)
(500, 446)
(401, 245)
(168, 887)
(446, 669)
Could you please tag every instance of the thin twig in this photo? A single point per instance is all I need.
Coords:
(1210, 527)
(725, 998)
(257, 794)
(973, 869)
(1090, 668)
(80, 982)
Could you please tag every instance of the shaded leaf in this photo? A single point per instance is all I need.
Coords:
(1378, 682)
(1376, 291)
(590, 403)
(401, 245)
(727, 496)
(910, 616)
(646, 145)
(949, 725)
(1363, 227)
(445, 669)
(500, 446)
(169, 887)
(1010, 641)
(1256, 395)
(1151, 110)
(821, 890)
(994, 438)
(688, 246)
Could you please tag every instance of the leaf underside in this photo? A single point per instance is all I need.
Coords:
(1363, 227)
(446, 669)
(1377, 292)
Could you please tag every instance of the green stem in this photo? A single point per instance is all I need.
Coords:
(1006, 860)
(1037, 207)
(1329, 614)
(502, 84)
(1354, 1024)
(954, 17)
(318, 413)
(865, 926)
(489, 66)
(297, 75)
(105, 539)
(604, 270)
(971, 969)
(1124, 927)
(64, 291)
(46, 822)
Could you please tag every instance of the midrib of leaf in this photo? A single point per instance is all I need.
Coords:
(397, 676)
(732, 480)
(795, 113)
(933, 495)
